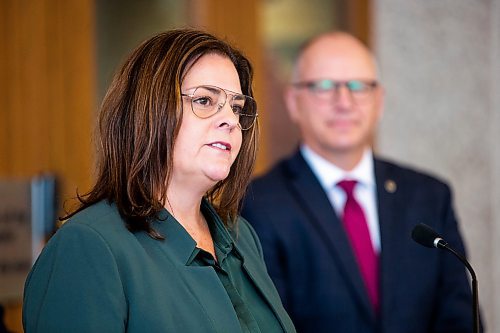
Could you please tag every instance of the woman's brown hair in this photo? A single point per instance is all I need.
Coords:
(138, 124)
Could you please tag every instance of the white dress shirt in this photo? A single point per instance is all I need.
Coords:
(365, 191)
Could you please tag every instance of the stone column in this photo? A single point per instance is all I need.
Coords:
(440, 64)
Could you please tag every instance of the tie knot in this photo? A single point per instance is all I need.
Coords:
(347, 186)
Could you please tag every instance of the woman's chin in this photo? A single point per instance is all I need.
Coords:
(217, 174)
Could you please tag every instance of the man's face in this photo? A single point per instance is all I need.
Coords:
(337, 103)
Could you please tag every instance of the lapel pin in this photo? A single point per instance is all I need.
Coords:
(390, 186)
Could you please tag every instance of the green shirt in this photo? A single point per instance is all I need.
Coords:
(252, 310)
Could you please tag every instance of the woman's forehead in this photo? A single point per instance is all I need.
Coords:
(214, 70)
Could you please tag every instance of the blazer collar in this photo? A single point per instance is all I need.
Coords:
(178, 243)
(258, 275)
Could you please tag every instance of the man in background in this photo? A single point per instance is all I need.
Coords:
(335, 220)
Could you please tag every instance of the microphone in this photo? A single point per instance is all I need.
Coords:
(428, 237)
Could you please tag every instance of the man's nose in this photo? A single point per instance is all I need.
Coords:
(343, 96)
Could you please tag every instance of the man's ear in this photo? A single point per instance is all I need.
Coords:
(290, 98)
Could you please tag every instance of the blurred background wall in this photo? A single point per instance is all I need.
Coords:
(439, 62)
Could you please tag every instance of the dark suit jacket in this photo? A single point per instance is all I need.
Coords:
(311, 262)
(96, 276)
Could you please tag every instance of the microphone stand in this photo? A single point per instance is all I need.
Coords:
(475, 297)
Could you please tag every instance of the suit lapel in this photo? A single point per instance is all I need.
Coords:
(315, 204)
(390, 194)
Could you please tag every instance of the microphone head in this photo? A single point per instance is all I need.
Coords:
(425, 235)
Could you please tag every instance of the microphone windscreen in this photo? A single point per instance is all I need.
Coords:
(424, 235)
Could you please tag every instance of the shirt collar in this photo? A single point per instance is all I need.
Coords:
(181, 244)
(223, 242)
(329, 174)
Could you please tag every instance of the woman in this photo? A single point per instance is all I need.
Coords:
(156, 245)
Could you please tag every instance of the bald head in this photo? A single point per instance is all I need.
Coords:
(334, 55)
(335, 100)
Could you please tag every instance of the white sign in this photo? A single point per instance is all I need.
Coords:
(16, 254)
(27, 218)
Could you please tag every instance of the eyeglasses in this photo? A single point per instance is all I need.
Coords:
(208, 100)
(360, 90)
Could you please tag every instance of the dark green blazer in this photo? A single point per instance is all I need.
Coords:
(96, 276)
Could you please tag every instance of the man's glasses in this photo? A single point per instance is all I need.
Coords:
(360, 90)
(208, 100)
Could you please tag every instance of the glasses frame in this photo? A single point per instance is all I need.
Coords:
(227, 93)
(314, 87)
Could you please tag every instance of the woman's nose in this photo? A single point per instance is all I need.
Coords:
(227, 117)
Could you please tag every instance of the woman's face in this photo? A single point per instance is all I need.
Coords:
(206, 148)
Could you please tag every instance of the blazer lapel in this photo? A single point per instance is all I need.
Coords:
(315, 203)
(392, 232)
(257, 273)
(256, 270)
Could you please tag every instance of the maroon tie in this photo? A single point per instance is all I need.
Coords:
(357, 231)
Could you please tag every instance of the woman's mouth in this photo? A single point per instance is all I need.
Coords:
(221, 145)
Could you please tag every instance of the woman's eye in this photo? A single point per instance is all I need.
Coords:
(203, 101)
(238, 109)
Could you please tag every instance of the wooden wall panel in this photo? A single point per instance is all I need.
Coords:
(48, 90)
(354, 16)
(47, 95)
(4, 102)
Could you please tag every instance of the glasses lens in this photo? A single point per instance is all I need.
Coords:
(207, 100)
(327, 90)
(360, 90)
(245, 108)
(321, 86)
(356, 86)
(325, 85)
